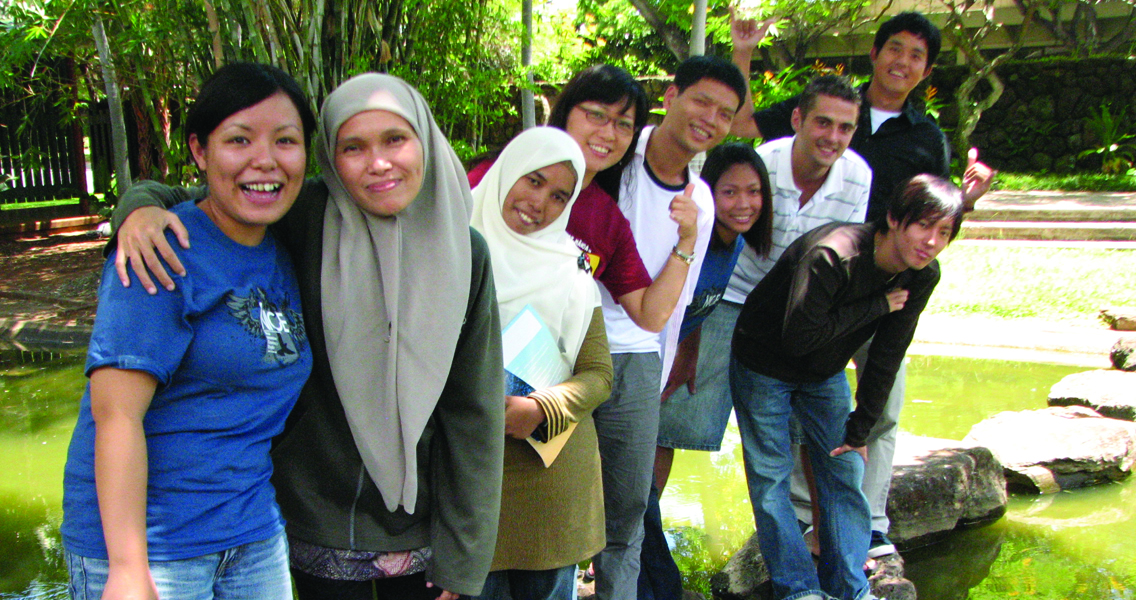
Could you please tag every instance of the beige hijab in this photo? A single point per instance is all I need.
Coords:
(394, 289)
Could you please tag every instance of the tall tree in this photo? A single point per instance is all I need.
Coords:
(1076, 26)
(117, 122)
(967, 41)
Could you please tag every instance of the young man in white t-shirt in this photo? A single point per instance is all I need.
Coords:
(657, 191)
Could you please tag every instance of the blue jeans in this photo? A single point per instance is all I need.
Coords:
(627, 426)
(515, 584)
(659, 577)
(764, 406)
(253, 571)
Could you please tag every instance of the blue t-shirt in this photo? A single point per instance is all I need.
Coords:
(230, 354)
(716, 270)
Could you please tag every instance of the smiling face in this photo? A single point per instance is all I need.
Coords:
(737, 198)
(379, 158)
(699, 117)
(538, 198)
(916, 244)
(900, 64)
(254, 162)
(824, 132)
(603, 132)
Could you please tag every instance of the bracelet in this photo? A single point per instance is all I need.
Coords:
(684, 257)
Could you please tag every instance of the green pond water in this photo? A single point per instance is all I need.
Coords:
(1079, 544)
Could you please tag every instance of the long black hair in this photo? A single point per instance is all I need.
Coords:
(605, 84)
(718, 161)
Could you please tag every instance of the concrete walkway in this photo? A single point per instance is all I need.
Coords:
(1055, 217)
(1027, 340)
(1061, 213)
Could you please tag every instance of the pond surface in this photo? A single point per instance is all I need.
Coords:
(1077, 544)
(1069, 545)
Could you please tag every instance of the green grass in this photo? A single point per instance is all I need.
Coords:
(40, 204)
(1057, 284)
(1086, 182)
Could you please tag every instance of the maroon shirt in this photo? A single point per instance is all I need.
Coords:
(603, 234)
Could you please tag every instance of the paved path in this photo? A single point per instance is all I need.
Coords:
(1120, 202)
(1029, 340)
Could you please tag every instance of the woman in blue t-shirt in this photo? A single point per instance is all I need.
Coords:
(166, 487)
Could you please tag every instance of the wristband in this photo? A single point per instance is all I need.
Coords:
(684, 257)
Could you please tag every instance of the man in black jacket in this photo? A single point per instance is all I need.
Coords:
(899, 141)
(831, 291)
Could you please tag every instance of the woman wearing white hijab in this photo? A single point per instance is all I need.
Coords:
(390, 468)
(551, 517)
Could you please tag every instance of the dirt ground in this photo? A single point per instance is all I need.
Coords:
(50, 280)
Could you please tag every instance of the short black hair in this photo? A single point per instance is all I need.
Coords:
(697, 68)
(718, 161)
(925, 197)
(605, 84)
(837, 86)
(917, 25)
(237, 86)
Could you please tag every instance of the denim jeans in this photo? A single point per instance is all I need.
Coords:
(515, 584)
(881, 452)
(627, 426)
(659, 577)
(698, 421)
(253, 571)
(764, 406)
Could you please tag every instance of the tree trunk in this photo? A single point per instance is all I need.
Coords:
(672, 36)
(528, 106)
(214, 33)
(968, 43)
(117, 122)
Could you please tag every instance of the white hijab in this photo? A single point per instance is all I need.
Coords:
(393, 290)
(541, 269)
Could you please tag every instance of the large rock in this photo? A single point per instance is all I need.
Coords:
(939, 485)
(745, 577)
(1111, 393)
(1119, 318)
(1058, 448)
(1123, 354)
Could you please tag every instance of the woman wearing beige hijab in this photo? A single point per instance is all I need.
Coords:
(389, 474)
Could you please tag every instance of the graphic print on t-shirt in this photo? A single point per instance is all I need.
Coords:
(281, 327)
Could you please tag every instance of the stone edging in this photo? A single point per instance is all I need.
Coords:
(35, 335)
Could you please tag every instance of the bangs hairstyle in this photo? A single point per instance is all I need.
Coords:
(836, 86)
(718, 161)
(915, 24)
(605, 84)
(697, 68)
(235, 87)
(925, 197)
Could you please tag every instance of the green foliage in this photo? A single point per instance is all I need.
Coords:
(462, 55)
(613, 32)
(695, 561)
(1056, 284)
(770, 88)
(1115, 140)
(1088, 182)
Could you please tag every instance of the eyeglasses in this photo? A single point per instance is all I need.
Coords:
(623, 125)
